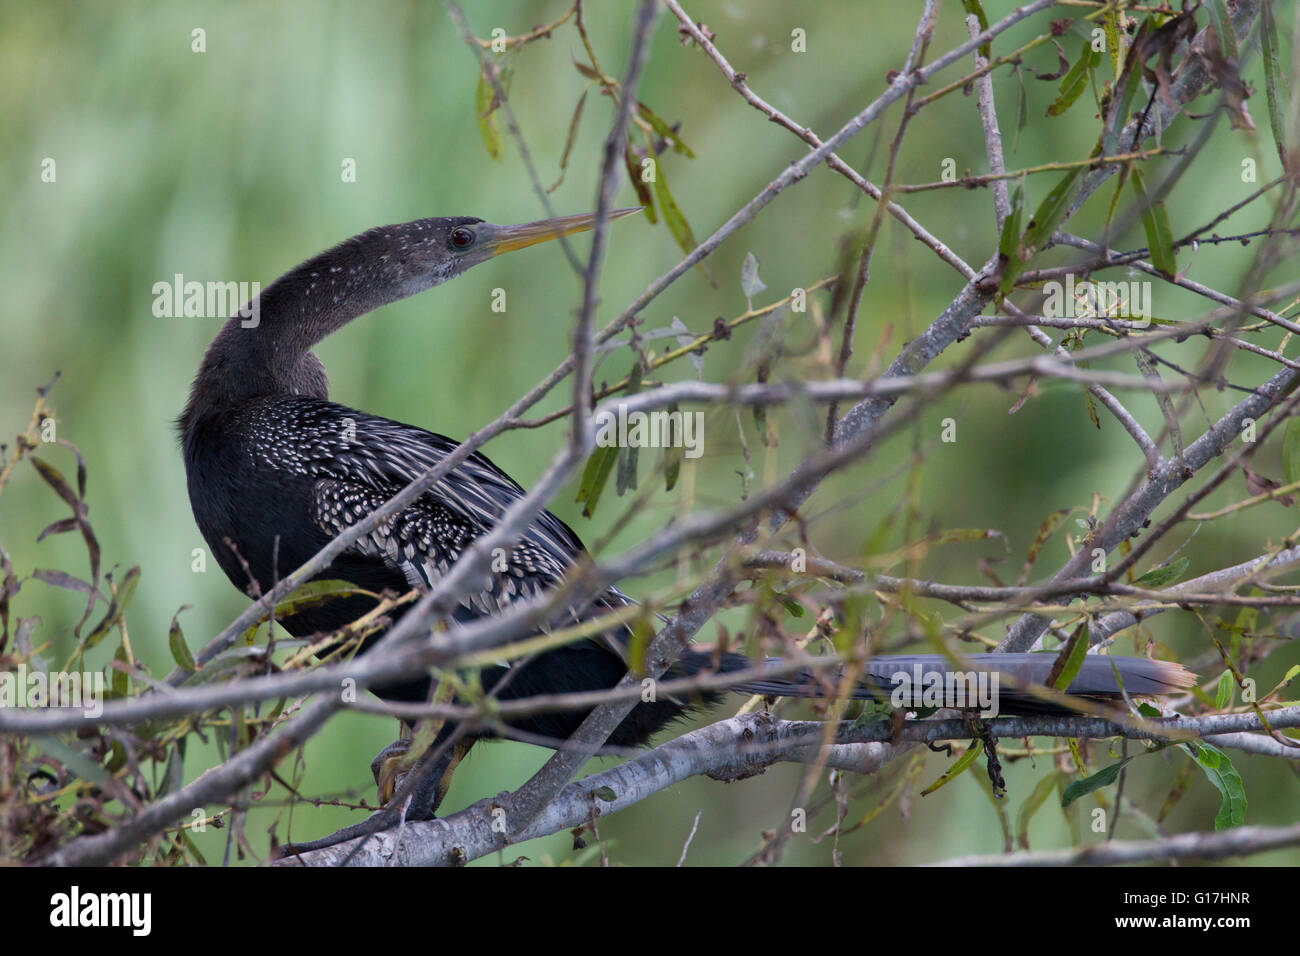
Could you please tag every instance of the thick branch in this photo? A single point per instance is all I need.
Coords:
(728, 750)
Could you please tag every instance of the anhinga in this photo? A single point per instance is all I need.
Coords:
(275, 470)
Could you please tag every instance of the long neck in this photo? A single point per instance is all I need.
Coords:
(266, 348)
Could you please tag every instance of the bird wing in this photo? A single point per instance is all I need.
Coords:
(359, 461)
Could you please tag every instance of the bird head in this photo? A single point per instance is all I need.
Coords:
(432, 251)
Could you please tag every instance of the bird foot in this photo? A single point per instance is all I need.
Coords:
(393, 765)
(390, 767)
(980, 731)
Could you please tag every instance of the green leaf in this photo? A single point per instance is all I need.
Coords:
(74, 760)
(1120, 180)
(176, 643)
(1022, 109)
(643, 631)
(1051, 210)
(673, 455)
(625, 474)
(1069, 662)
(54, 478)
(1067, 99)
(1168, 574)
(959, 535)
(485, 109)
(118, 759)
(1220, 772)
(569, 139)
(1041, 537)
(1223, 696)
(663, 130)
(313, 594)
(594, 476)
(174, 775)
(1223, 28)
(642, 189)
(1074, 83)
(1155, 220)
(1291, 451)
(121, 682)
(957, 769)
(1010, 240)
(1042, 790)
(1110, 23)
(1102, 778)
(625, 478)
(1091, 405)
(604, 793)
(1047, 216)
(975, 7)
(1275, 86)
(116, 608)
(192, 848)
(1245, 624)
(1117, 116)
(674, 219)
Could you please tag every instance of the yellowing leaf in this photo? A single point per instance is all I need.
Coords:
(485, 107)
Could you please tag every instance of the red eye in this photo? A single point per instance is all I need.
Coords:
(462, 238)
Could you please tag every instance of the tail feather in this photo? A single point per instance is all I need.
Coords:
(883, 676)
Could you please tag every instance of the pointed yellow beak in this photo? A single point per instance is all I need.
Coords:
(508, 238)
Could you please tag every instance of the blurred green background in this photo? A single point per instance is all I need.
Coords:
(226, 165)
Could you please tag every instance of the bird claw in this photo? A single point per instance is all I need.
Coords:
(394, 764)
(390, 767)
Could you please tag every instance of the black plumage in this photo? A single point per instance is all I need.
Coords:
(275, 470)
